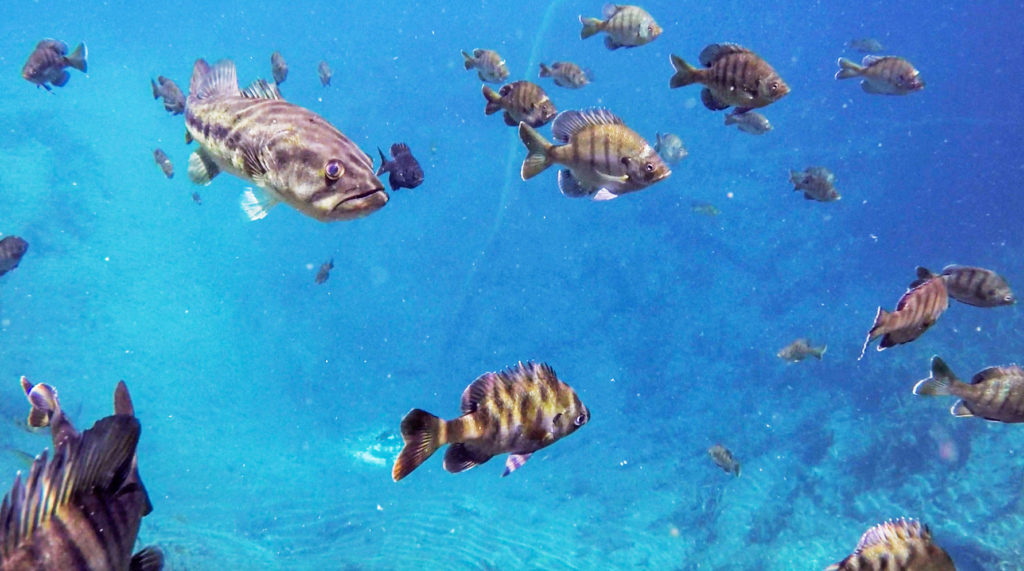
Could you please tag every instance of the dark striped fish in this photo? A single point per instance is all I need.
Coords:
(605, 157)
(625, 26)
(916, 311)
(48, 62)
(733, 76)
(975, 286)
(882, 75)
(81, 509)
(12, 249)
(565, 74)
(723, 458)
(164, 162)
(516, 411)
(901, 545)
(292, 154)
(323, 70)
(278, 67)
(817, 183)
(995, 393)
(523, 101)
(488, 65)
(174, 99)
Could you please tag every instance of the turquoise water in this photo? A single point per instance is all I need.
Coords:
(270, 404)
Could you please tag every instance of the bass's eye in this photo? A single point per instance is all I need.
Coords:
(334, 170)
(580, 420)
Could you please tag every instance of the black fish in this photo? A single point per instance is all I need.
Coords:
(278, 67)
(174, 99)
(47, 62)
(324, 272)
(405, 171)
(12, 248)
(82, 508)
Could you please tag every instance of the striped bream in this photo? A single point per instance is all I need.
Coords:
(994, 393)
(896, 545)
(882, 75)
(624, 26)
(916, 311)
(733, 76)
(975, 286)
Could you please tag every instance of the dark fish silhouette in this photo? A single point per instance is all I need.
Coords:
(404, 170)
(81, 509)
(817, 183)
(46, 63)
(724, 459)
(174, 99)
(324, 71)
(278, 67)
(324, 272)
(12, 248)
(165, 163)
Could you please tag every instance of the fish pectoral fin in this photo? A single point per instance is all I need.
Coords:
(514, 462)
(201, 167)
(256, 203)
(149, 559)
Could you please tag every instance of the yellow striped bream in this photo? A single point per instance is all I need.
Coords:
(624, 26)
(896, 545)
(916, 311)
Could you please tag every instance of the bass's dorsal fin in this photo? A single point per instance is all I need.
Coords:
(710, 54)
(261, 89)
(208, 81)
(568, 123)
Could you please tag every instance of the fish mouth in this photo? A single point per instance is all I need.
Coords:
(359, 205)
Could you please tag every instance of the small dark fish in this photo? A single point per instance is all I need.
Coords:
(865, 45)
(174, 99)
(917, 310)
(733, 76)
(625, 26)
(750, 122)
(522, 101)
(901, 545)
(817, 183)
(12, 248)
(403, 170)
(995, 393)
(324, 272)
(516, 411)
(670, 147)
(566, 74)
(975, 286)
(46, 63)
(488, 65)
(165, 163)
(82, 508)
(799, 350)
(196, 198)
(882, 75)
(324, 71)
(278, 67)
(723, 458)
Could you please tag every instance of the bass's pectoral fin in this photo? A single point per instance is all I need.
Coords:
(256, 203)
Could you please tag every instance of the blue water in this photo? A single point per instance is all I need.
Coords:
(270, 404)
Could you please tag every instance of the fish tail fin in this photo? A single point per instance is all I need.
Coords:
(848, 69)
(469, 62)
(545, 71)
(591, 26)
(423, 433)
(881, 316)
(537, 148)
(76, 59)
(939, 382)
(493, 100)
(819, 351)
(685, 74)
(383, 159)
(156, 90)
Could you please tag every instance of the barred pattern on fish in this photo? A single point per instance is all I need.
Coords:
(523, 101)
(566, 74)
(916, 311)
(732, 75)
(882, 75)
(994, 393)
(488, 65)
(977, 286)
(900, 545)
(625, 26)
(293, 154)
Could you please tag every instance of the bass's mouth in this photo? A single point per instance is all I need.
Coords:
(363, 199)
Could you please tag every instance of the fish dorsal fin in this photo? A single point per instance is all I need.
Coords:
(402, 148)
(609, 10)
(568, 123)
(710, 54)
(923, 273)
(891, 534)
(208, 81)
(870, 60)
(97, 462)
(988, 374)
(261, 89)
(477, 391)
(123, 400)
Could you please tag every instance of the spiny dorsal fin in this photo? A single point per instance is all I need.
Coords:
(123, 400)
(568, 123)
(261, 89)
(988, 374)
(207, 81)
(710, 54)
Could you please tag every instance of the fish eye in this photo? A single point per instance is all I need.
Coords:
(649, 167)
(334, 170)
(580, 420)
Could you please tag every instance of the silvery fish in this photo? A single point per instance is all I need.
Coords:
(605, 158)
(12, 248)
(46, 64)
(174, 99)
(917, 310)
(901, 545)
(565, 74)
(80, 510)
(975, 286)
(291, 153)
(733, 76)
(724, 459)
(488, 65)
(749, 122)
(165, 163)
(323, 70)
(817, 183)
(403, 169)
(995, 393)
(882, 75)
(516, 411)
(324, 272)
(522, 101)
(865, 45)
(625, 26)
(670, 147)
(278, 67)
(801, 349)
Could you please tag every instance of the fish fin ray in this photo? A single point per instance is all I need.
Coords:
(209, 81)
(568, 123)
(201, 167)
(383, 163)
(847, 69)
(149, 559)
(514, 462)
(987, 374)
(63, 79)
(570, 185)
(468, 60)
(423, 434)
(611, 44)
(710, 101)
(939, 382)
(461, 457)
(537, 148)
(257, 203)
(262, 89)
(591, 26)
(604, 194)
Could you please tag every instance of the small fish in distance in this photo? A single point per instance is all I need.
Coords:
(323, 70)
(733, 76)
(516, 411)
(916, 311)
(723, 458)
(750, 122)
(12, 248)
(975, 286)
(624, 26)
(605, 158)
(817, 183)
(197, 199)
(47, 62)
(174, 99)
(799, 350)
(882, 75)
(403, 169)
(324, 272)
(900, 545)
(165, 163)
(865, 45)
(522, 101)
(278, 67)
(566, 74)
(488, 65)
(995, 393)
(43, 398)
(670, 147)
(705, 208)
